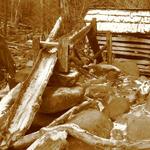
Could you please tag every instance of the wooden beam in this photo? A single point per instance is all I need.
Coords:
(63, 55)
(127, 45)
(93, 40)
(52, 35)
(35, 47)
(131, 54)
(140, 62)
(45, 44)
(78, 35)
(129, 39)
(109, 47)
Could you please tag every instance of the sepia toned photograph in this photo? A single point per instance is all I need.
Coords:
(74, 75)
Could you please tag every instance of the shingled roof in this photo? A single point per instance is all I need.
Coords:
(121, 21)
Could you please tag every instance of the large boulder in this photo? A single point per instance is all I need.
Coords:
(75, 144)
(116, 107)
(62, 79)
(128, 67)
(99, 91)
(93, 121)
(57, 99)
(138, 127)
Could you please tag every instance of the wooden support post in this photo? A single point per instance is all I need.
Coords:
(93, 40)
(36, 47)
(109, 47)
(63, 55)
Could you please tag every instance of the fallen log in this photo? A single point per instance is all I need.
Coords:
(51, 141)
(28, 101)
(85, 136)
(29, 139)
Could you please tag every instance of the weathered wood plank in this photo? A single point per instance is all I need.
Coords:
(109, 47)
(28, 101)
(6, 103)
(129, 39)
(117, 19)
(131, 13)
(123, 27)
(63, 55)
(134, 50)
(93, 40)
(131, 50)
(131, 54)
(78, 35)
(35, 47)
(142, 62)
(45, 44)
(52, 35)
(128, 45)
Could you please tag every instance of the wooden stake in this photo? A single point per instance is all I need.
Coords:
(63, 53)
(36, 47)
(109, 47)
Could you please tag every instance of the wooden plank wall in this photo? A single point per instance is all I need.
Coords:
(135, 47)
(130, 34)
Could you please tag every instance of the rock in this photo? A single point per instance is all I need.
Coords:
(119, 131)
(117, 107)
(143, 91)
(75, 144)
(128, 67)
(56, 99)
(102, 69)
(93, 121)
(138, 128)
(21, 75)
(29, 63)
(43, 120)
(61, 79)
(147, 106)
(99, 91)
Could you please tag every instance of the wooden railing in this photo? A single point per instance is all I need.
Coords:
(65, 43)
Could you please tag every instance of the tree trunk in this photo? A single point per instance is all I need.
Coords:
(15, 12)
(72, 14)
(12, 11)
(6, 17)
